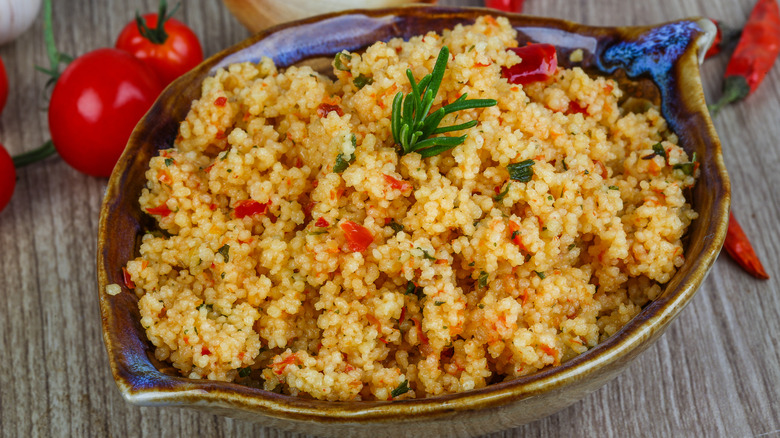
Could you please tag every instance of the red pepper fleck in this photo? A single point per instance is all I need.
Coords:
(403, 186)
(739, 248)
(479, 64)
(358, 236)
(514, 234)
(321, 222)
(249, 207)
(205, 351)
(315, 183)
(281, 365)
(326, 108)
(575, 107)
(403, 314)
(539, 62)
(161, 210)
(420, 332)
(307, 209)
(221, 135)
(221, 101)
(754, 55)
(126, 277)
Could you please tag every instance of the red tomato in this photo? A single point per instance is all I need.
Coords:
(170, 51)
(358, 236)
(539, 62)
(250, 207)
(505, 5)
(95, 105)
(3, 86)
(7, 177)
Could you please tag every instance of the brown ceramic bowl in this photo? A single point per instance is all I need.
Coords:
(660, 63)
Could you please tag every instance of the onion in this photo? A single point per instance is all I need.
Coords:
(16, 16)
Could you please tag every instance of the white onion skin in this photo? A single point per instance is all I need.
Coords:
(16, 16)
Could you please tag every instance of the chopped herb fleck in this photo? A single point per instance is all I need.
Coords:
(471, 48)
(317, 233)
(244, 372)
(426, 255)
(225, 251)
(413, 289)
(222, 275)
(540, 274)
(483, 279)
(481, 305)
(472, 263)
(209, 308)
(522, 171)
(614, 188)
(515, 233)
(549, 197)
(571, 247)
(687, 168)
(339, 64)
(395, 226)
(343, 162)
(403, 388)
(361, 81)
(565, 166)
(224, 157)
(169, 161)
(503, 193)
(438, 303)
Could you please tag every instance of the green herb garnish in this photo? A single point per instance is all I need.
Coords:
(522, 171)
(244, 372)
(225, 251)
(483, 279)
(426, 255)
(361, 81)
(410, 122)
(339, 64)
(395, 226)
(343, 162)
(687, 168)
(502, 195)
(403, 388)
(614, 188)
(571, 246)
(658, 150)
(540, 274)
(515, 233)
(169, 161)
(209, 308)
(438, 303)
(413, 289)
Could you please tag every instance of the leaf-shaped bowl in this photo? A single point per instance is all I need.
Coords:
(657, 62)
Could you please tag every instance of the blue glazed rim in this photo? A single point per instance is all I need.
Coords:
(666, 55)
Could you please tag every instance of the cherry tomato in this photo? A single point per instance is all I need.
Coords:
(7, 177)
(3, 86)
(505, 5)
(95, 105)
(358, 236)
(171, 50)
(539, 62)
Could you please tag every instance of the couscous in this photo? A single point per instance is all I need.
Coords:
(298, 250)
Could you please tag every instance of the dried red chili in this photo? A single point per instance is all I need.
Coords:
(539, 62)
(724, 40)
(506, 5)
(739, 248)
(755, 53)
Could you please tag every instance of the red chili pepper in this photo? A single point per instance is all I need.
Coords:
(756, 52)
(358, 236)
(506, 5)
(250, 207)
(539, 62)
(739, 248)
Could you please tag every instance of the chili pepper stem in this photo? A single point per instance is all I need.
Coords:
(734, 88)
(44, 151)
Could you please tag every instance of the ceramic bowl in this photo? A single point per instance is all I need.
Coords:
(659, 63)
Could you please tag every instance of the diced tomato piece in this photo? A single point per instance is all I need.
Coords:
(161, 210)
(128, 280)
(514, 233)
(250, 207)
(401, 185)
(326, 108)
(358, 236)
(321, 222)
(205, 351)
(539, 62)
(420, 332)
(221, 101)
(575, 107)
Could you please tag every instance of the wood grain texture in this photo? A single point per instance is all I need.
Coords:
(716, 372)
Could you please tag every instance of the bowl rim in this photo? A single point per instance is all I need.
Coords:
(628, 341)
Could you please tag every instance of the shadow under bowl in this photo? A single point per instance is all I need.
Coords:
(660, 63)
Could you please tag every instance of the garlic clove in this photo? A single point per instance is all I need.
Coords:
(16, 16)
(257, 15)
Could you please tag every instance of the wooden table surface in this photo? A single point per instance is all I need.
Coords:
(716, 371)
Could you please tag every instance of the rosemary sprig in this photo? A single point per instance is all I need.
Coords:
(413, 126)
